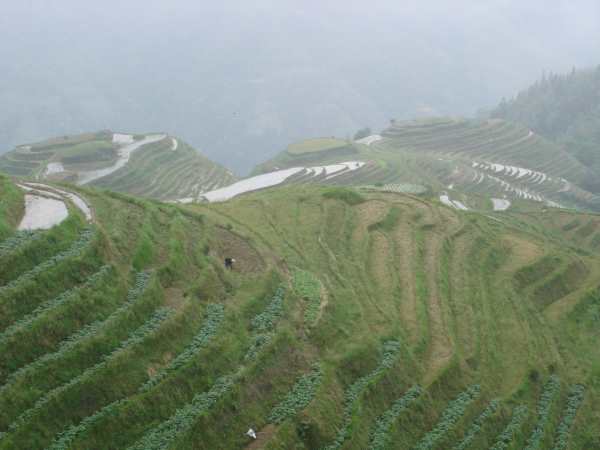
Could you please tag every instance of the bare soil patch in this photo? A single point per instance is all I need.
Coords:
(231, 245)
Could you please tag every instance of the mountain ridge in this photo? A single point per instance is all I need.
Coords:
(150, 165)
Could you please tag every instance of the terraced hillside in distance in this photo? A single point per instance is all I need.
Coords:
(352, 319)
(472, 164)
(152, 165)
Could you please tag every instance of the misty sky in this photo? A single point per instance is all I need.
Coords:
(239, 80)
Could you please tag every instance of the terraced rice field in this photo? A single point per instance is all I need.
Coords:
(354, 319)
(155, 166)
(316, 145)
(482, 160)
(495, 157)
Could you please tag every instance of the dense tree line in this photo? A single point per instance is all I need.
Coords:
(565, 108)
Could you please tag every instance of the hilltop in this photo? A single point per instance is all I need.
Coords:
(471, 164)
(148, 165)
(350, 320)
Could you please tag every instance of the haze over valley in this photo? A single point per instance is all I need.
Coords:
(240, 81)
(300, 225)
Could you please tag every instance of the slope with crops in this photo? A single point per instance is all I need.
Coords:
(467, 164)
(351, 319)
(148, 165)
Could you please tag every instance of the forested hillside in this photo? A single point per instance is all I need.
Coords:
(565, 108)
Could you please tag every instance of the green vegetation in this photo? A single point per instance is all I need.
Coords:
(389, 222)
(308, 287)
(266, 320)
(213, 321)
(576, 394)
(362, 133)
(50, 305)
(379, 438)
(299, 397)
(391, 352)
(564, 108)
(505, 438)
(164, 435)
(156, 171)
(17, 241)
(551, 390)
(77, 249)
(135, 338)
(476, 159)
(79, 337)
(153, 171)
(344, 324)
(316, 145)
(93, 151)
(477, 425)
(347, 195)
(11, 208)
(451, 415)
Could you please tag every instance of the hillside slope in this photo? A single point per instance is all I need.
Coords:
(565, 108)
(353, 321)
(154, 165)
(480, 164)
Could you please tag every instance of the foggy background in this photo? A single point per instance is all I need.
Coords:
(240, 80)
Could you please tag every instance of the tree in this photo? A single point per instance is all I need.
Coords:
(362, 133)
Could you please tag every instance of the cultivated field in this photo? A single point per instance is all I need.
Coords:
(351, 320)
(154, 165)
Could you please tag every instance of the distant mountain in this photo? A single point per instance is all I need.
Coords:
(565, 108)
(149, 165)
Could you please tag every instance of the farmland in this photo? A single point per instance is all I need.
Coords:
(152, 166)
(352, 319)
(478, 160)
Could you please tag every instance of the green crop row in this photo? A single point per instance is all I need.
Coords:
(75, 250)
(544, 406)
(135, 338)
(391, 352)
(141, 282)
(308, 287)
(576, 394)
(166, 433)
(477, 425)
(299, 397)
(266, 320)
(451, 415)
(18, 240)
(258, 343)
(64, 440)
(380, 434)
(214, 317)
(51, 304)
(504, 439)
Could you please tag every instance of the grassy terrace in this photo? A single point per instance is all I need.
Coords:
(439, 154)
(351, 320)
(158, 172)
(492, 141)
(315, 145)
(154, 171)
